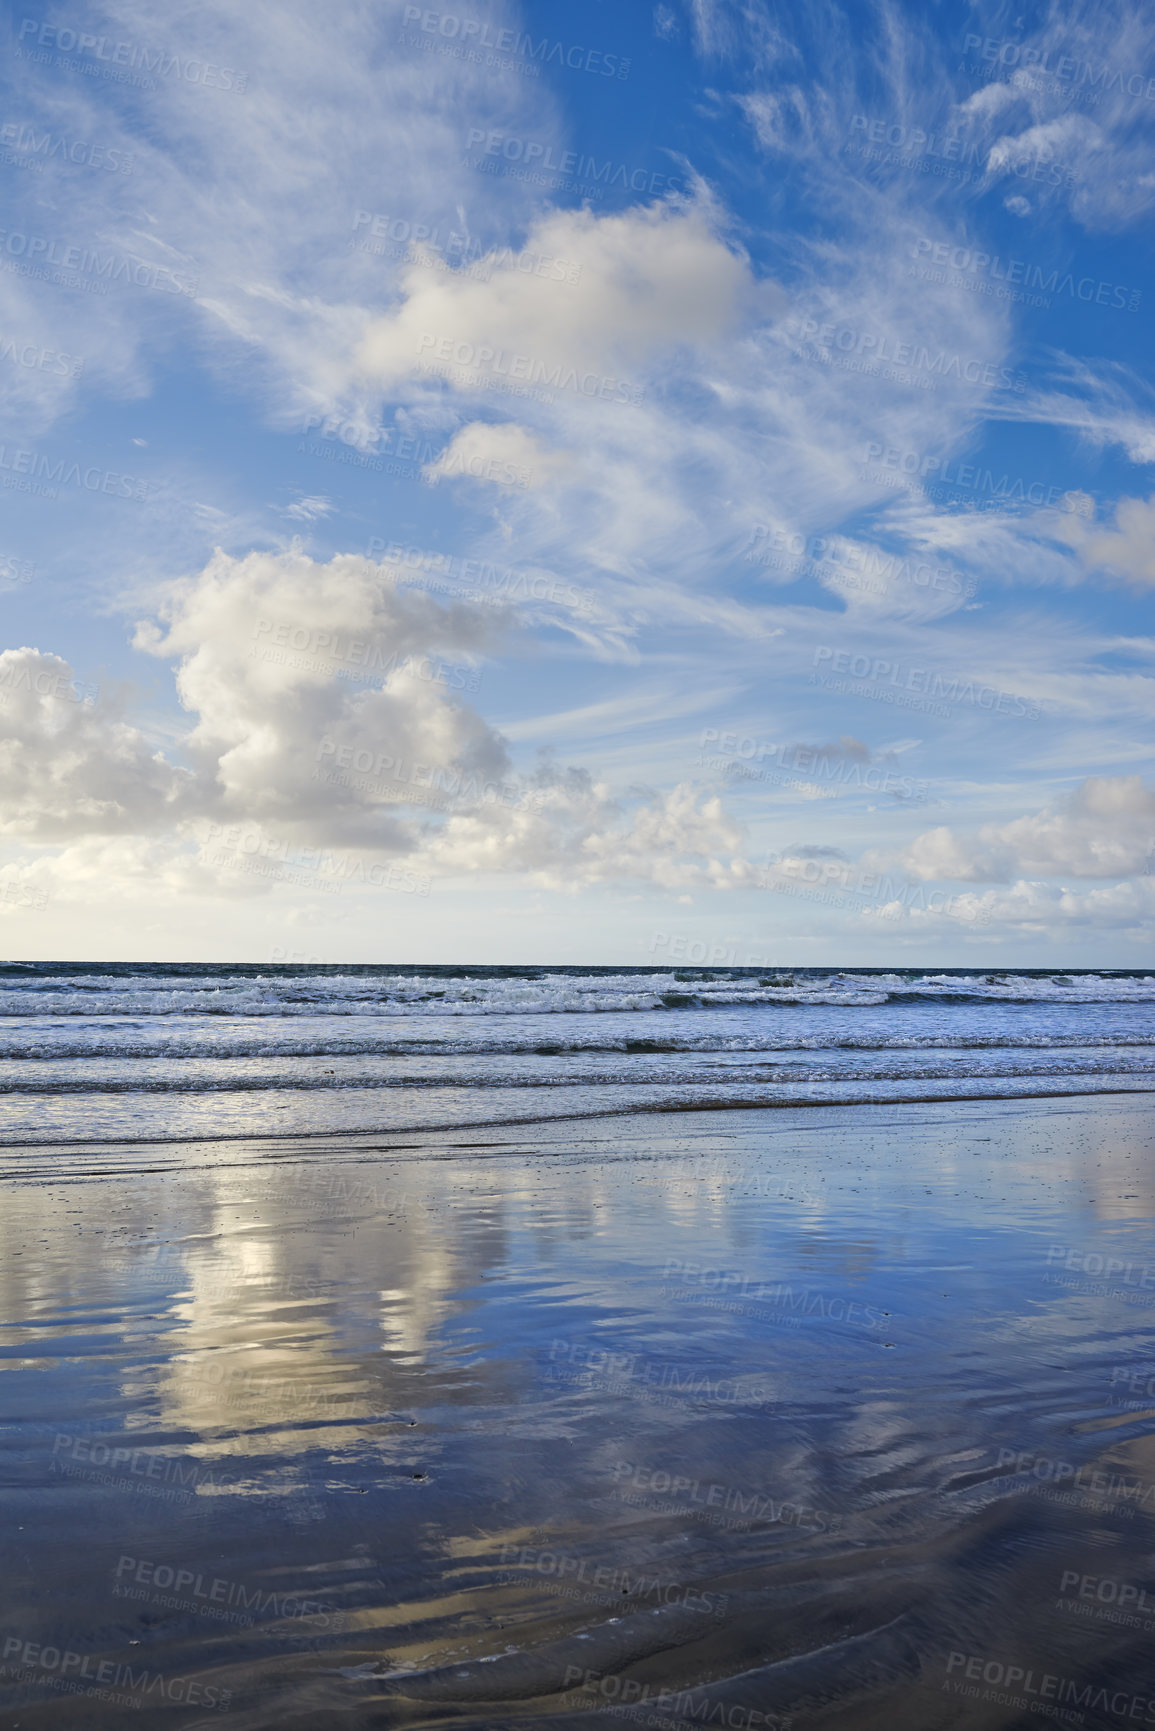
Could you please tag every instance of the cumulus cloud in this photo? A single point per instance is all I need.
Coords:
(287, 662)
(575, 833)
(1035, 909)
(330, 713)
(70, 761)
(507, 455)
(647, 279)
(1126, 550)
(1105, 829)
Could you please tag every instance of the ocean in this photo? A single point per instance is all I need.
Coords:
(125, 1051)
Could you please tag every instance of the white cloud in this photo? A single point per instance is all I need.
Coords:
(1047, 156)
(70, 765)
(249, 197)
(1028, 909)
(651, 278)
(781, 120)
(1105, 402)
(272, 201)
(1105, 829)
(1098, 161)
(580, 835)
(310, 509)
(326, 701)
(1126, 550)
(1037, 909)
(278, 655)
(504, 454)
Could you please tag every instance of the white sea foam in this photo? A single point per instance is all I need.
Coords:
(212, 1051)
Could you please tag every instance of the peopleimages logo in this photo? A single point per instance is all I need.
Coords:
(1106, 1591)
(218, 1596)
(22, 895)
(1093, 1262)
(909, 467)
(67, 1670)
(1031, 1686)
(631, 1373)
(459, 249)
(932, 148)
(43, 682)
(1048, 1469)
(1062, 67)
(786, 550)
(923, 681)
(1017, 271)
(534, 372)
(414, 457)
(570, 163)
(684, 1704)
(247, 849)
(748, 1505)
(40, 469)
(474, 33)
(568, 1569)
(77, 1456)
(866, 351)
(23, 138)
(821, 761)
(475, 579)
(831, 880)
(949, 147)
(127, 55)
(335, 647)
(41, 360)
(733, 1283)
(37, 251)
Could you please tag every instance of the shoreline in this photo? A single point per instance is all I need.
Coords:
(641, 1109)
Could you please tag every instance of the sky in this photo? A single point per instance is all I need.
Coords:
(620, 483)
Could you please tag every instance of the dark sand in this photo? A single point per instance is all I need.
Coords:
(843, 1416)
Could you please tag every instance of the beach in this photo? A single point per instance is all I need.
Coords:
(820, 1416)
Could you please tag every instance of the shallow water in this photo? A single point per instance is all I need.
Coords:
(808, 1413)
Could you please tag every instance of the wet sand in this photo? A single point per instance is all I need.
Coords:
(836, 1416)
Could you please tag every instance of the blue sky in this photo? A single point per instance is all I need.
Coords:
(614, 484)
